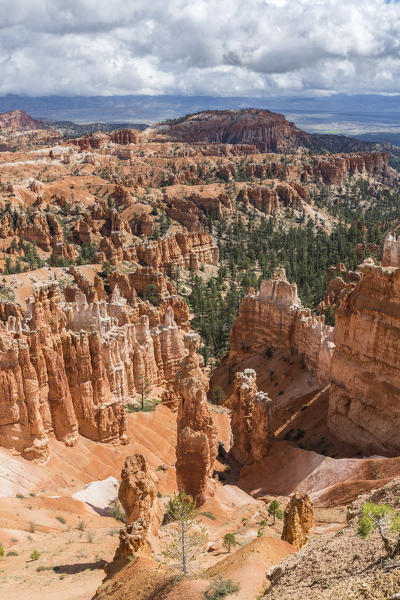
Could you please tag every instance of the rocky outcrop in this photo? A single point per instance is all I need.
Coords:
(269, 131)
(298, 520)
(338, 279)
(391, 251)
(18, 119)
(275, 318)
(267, 198)
(334, 168)
(250, 419)
(124, 136)
(68, 368)
(196, 434)
(189, 250)
(181, 249)
(364, 403)
(143, 510)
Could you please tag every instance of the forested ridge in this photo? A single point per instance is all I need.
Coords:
(251, 249)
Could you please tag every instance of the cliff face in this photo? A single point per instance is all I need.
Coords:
(182, 249)
(391, 251)
(334, 168)
(269, 131)
(275, 318)
(18, 119)
(196, 435)
(251, 419)
(68, 368)
(364, 402)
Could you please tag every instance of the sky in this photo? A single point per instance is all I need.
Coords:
(199, 47)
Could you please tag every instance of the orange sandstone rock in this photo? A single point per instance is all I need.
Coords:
(196, 435)
(275, 318)
(298, 520)
(364, 403)
(143, 510)
(251, 419)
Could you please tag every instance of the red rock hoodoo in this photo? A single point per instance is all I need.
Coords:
(144, 513)
(196, 436)
(298, 520)
(251, 419)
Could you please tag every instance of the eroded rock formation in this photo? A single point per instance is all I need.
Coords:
(364, 404)
(275, 318)
(144, 513)
(251, 419)
(391, 251)
(68, 368)
(196, 435)
(18, 119)
(298, 520)
(269, 131)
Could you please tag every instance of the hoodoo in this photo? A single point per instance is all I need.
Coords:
(275, 318)
(251, 419)
(298, 520)
(196, 448)
(144, 513)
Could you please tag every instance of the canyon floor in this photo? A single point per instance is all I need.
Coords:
(75, 537)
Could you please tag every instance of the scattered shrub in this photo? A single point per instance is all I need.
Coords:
(12, 553)
(229, 541)
(117, 511)
(208, 514)
(1, 550)
(35, 555)
(81, 525)
(90, 536)
(220, 588)
(61, 519)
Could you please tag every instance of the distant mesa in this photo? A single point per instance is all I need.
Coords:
(268, 131)
(18, 119)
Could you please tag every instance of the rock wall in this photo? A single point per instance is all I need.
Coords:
(68, 368)
(275, 318)
(196, 434)
(18, 119)
(298, 520)
(391, 251)
(267, 198)
(364, 404)
(250, 419)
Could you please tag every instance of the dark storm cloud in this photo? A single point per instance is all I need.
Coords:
(216, 47)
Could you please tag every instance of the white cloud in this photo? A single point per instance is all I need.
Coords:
(213, 47)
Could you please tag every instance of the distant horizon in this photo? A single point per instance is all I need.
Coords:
(342, 114)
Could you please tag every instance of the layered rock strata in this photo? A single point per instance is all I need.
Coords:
(269, 131)
(68, 368)
(275, 318)
(197, 445)
(143, 510)
(364, 404)
(298, 520)
(250, 420)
